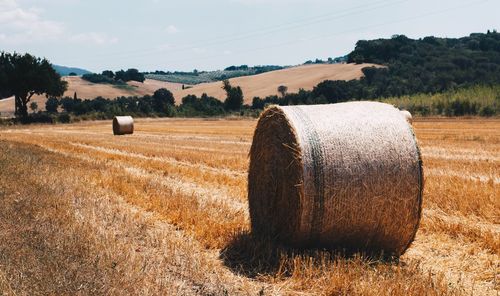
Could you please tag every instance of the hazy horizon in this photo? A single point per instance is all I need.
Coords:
(156, 35)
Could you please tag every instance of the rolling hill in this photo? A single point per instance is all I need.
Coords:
(88, 90)
(65, 71)
(266, 84)
(262, 85)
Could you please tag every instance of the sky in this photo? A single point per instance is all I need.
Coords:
(209, 35)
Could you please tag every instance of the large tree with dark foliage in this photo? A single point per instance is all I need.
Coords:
(5, 67)
(163, 99)
(25, 76)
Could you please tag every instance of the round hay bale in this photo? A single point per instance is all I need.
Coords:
(345, 175)
(123, 125)
(407, 116)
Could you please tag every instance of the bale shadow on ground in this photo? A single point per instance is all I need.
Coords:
(251, 256)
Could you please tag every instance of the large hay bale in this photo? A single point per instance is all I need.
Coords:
(344, 175)
(123, 125)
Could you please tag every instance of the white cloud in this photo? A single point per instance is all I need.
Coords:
(19, 25)
(7, 4)
(172, 29)
(94, 38)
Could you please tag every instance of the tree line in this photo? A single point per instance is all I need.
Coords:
(429, 65)
(120, 77)
(161, 104)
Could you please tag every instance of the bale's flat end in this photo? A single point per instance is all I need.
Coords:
(123, 125)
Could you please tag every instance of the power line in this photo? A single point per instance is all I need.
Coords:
(260, 32)
(328, 35)
(338, 33)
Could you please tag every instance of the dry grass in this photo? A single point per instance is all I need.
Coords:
(164, 211)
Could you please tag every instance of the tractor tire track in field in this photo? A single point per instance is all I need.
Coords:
(169, 160)
(202, 194)
(464, 175)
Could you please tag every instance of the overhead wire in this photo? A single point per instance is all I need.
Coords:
(257, 33)
(329, 35)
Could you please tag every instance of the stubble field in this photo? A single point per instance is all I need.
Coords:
(164, 211)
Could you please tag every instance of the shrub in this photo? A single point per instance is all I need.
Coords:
(487, 111)
(51, 105)
(64, 118)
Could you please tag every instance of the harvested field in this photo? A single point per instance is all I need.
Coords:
(164, 211)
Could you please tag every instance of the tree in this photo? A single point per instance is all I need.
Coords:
(26, 76)
(163, 100)
(234, 96)
(145, 104)
(282, 89)
(108, 74)
(121, 75)
(130, 74)
(70, 105)
(51, 105)
(5, 67)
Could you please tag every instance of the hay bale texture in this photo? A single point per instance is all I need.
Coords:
(123, 125)
(346, 175)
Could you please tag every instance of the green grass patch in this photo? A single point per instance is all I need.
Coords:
(483, 100)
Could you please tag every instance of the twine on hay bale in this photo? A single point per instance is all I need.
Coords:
(343, 175)
(123, 125)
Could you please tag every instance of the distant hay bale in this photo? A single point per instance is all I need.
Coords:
(123, 125)
(407, 115)
(344, 175)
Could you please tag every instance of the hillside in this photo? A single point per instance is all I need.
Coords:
(65, 71)
(88, 90)
(261, 85)
(197, 77)
(427, 65)
(266, 84)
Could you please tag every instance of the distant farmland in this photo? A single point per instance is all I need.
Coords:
(262, 85)
(266, 84)
(88, 90)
